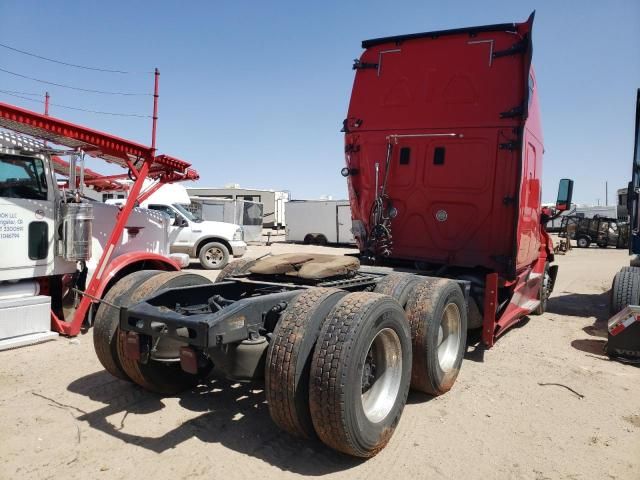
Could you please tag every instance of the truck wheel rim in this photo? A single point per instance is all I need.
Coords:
(449, 337)
(381, 375)
(214, 255)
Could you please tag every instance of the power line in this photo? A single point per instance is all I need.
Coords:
(84, 67)
(22, 93)
(116, 114)
(103, 92)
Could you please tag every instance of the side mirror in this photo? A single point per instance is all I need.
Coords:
(565, 193)
(180, 222)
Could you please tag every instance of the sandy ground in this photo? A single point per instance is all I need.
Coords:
(62, 416)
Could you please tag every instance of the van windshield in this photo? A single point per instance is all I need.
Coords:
(187, 214)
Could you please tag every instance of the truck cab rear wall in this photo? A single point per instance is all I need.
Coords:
(459, 114)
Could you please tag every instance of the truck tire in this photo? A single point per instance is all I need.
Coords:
(237, 267)
(583, 242)
(544, 292)
(107, 321)
(309, 239)
(213, 256)
(360, 373)
(625, 290)
(161, 377)
(630, 269)
(289, 359)
(398, 286)
(438, 319)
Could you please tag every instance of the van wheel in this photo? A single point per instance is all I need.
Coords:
(438, 318)
(237, 267)
(106, 326)
(162, 373)
(289, 359)
(360, 373)
(398, 286)
(583, 242)
(214, 256)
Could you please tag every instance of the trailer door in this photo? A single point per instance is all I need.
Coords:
(343, 216)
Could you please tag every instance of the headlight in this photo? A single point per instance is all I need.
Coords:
(239, 235)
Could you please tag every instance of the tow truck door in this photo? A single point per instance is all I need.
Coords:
(27, 213)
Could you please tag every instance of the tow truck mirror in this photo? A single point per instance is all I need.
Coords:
(565, 193)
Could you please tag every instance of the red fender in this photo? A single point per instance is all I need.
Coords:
(153, 261)
(110, 273)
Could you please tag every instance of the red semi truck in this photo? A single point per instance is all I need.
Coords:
(444, 157)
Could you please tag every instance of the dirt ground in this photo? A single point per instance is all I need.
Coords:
(62, 416)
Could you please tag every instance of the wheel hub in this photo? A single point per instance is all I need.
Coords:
(381, 375)
(449, 333)
(214, 255)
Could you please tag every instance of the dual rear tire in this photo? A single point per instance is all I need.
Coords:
(161, 373)
(340, 365)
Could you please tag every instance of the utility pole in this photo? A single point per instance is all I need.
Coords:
(606, 193)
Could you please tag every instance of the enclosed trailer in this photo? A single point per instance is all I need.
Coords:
(249, 215)
(274, 201)
(319, 222)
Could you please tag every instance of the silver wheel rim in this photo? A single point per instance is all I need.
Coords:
(582, 242)
(381, 375)
(214, 256)
(546, 282)
(449, 333)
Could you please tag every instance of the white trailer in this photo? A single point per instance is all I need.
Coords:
(319, 222)
(274, 201)
(249, 215)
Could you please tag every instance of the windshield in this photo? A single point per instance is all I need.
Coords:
(22, 177)
(187, 214)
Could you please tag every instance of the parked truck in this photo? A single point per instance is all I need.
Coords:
(623, 342)
(212, 243)
(319, 222)
(443, 149)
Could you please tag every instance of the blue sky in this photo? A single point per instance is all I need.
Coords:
(254, 92)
